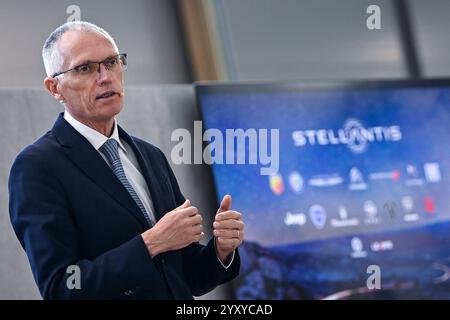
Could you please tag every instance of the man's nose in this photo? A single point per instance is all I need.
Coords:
(103, 74)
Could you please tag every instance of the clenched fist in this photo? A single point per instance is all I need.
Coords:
(228, 229)
(176, 229)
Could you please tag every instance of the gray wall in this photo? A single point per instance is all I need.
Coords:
(151, 112)
(432, 28)
(147, 30)
(322, 39)
(303, 39)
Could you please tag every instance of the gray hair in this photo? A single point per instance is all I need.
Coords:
(50, 52)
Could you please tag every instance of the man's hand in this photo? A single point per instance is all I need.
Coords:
(228, 228)
(176, 229)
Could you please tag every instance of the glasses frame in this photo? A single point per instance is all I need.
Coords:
(122, 57)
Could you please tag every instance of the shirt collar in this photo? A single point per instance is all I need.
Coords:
(95, 138)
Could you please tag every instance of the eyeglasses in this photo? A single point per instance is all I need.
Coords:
(90, 67)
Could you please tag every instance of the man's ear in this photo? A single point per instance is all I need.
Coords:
(52, 86)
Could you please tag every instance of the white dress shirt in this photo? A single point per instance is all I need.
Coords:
(127, 157)
(129, 163)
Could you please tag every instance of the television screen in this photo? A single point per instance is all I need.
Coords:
(344, 187)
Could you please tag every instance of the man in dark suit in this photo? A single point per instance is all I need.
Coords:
(89, 200)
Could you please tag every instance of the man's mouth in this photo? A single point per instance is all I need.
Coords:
(106, 95)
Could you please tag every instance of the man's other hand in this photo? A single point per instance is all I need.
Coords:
(228, 229)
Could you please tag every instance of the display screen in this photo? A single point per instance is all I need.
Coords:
(350, 196)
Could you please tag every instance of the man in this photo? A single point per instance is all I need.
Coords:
(88, 199)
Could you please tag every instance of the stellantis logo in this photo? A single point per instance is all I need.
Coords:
(353, 134)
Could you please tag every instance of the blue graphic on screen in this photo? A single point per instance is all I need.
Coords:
(359, 206)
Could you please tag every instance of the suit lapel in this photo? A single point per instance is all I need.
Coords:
(84, 156)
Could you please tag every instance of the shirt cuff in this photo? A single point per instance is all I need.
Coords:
(229, 259)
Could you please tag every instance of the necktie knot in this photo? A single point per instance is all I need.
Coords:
(111, 150)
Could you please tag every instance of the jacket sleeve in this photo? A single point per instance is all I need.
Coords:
(201, 265)
(41, 218)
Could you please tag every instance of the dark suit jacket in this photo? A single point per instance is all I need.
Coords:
(67, 207)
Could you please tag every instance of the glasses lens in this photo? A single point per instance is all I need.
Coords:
(123, 60)
(111, 63)
(87, 68)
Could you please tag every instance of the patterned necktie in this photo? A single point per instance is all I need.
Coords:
(111, 152)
